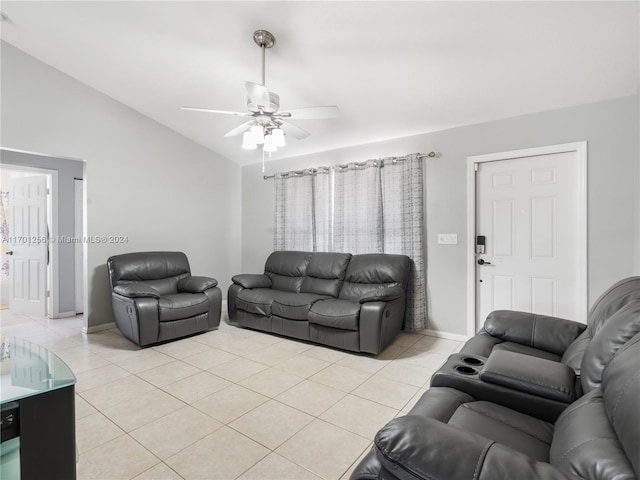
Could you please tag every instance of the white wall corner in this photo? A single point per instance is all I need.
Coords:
(446, 335)
(98, 328)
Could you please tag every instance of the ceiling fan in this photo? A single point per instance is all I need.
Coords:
(268, 124)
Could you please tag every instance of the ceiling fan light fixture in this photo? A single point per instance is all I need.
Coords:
(248, 142)
(258, 134)
(278, 137)
(269, 144)
(266, 122)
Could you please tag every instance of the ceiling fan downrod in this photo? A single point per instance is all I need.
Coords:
(264, 40)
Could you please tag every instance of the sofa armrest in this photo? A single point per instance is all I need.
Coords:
(551, 334)
(415, 447)
(250, 280)
(537, 376)
(384, 294)
(193, 284)
(136, 289)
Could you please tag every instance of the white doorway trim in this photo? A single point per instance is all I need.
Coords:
(78, 185)
(580, 148)
(54, 253)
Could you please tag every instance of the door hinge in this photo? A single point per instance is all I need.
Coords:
(48, 293)
(48, 192)
(475, 167)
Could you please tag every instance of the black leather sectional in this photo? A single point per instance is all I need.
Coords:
(352, 302)
(529, 397)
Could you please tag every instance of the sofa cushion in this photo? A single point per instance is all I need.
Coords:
(287, 270)
(136, 289)
(294, 306)
(525, 350)
(325, 273)
(336, 313)
(616, 297)
(257, 300)
(179, 306)
(517, 430)
(145, 266)
(584, 441)
(366, 273)
(621, 387)
(521, 432)
(614, 333)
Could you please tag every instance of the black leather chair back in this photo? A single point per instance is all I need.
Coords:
(161, 270)
(366, 273)
(605, 308)
(598, 436)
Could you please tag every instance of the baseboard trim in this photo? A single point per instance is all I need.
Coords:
(446, 335)
(65, 314)
(98, 328)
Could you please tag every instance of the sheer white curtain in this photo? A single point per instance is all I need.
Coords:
(323, 203)
(371, 207)
(358, 208)
(294, 223)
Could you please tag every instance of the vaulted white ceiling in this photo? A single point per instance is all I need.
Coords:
(394, 68)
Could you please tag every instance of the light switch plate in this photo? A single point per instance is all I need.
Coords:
(447, 239)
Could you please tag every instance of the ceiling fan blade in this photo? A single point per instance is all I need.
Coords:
(258, 95)
(208, 110)
(294, 130)
(311, 113)
(239, 129)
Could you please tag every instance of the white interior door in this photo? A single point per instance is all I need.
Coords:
(528, 210)
(29, 243)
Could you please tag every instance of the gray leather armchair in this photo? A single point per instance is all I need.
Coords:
(155, 298)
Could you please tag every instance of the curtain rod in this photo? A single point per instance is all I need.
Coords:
(399, 159)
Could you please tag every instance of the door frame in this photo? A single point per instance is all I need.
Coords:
(580, 148)
(52, 307)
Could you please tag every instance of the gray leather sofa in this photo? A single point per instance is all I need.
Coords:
(451, 435)
(552, 338)
(352, 302)
(519, 365)
(155, 298)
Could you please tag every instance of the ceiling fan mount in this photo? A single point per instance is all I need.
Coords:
(264, 107)
(264, 39)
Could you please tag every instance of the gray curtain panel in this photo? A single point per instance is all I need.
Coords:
(370, 207)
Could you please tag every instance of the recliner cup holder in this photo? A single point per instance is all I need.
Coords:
(465, 370)
(472, 361)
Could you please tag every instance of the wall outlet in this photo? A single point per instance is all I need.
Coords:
(447, 239)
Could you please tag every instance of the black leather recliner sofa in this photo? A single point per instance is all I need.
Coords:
(155, 298)
(518, 377)
(552, 338)
(450, 435)
(528, 402)
(353, 302)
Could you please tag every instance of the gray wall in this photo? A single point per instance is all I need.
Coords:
(67, 171)
(611, 129)
(143, 180)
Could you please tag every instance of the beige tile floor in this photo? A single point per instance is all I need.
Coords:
(230, 403)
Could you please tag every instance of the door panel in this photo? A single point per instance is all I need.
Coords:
(29, 244)
(528, 210)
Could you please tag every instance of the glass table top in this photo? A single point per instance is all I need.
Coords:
(28, 369)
